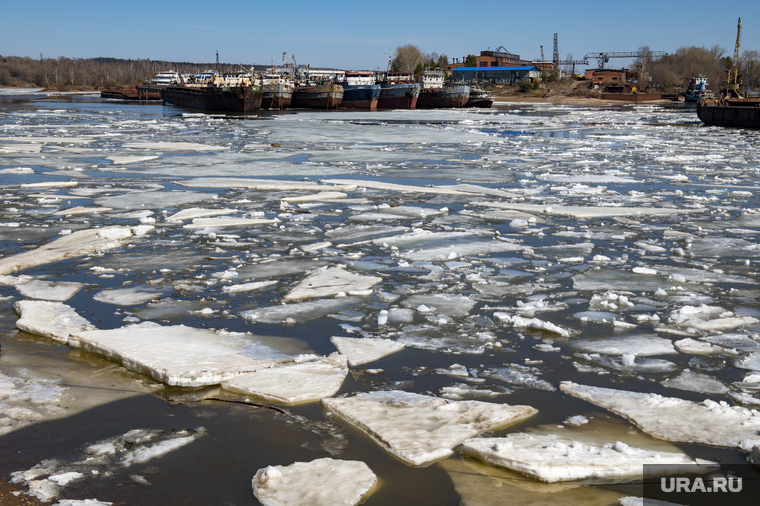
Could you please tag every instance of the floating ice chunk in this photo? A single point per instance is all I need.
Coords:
(591, 212)
(546, 347)
(131, 295)
(81, 210)
(331, 281)
(551, 458)
(321, 482)
(639, 344)
(50, 319)
(127, 159)
(519, 375)
(692, 346)
(82, 502)
(173, 146)
(311, 378)
(299, 312)
(696, 382)
(441, 190)
(673, 419)
(176, 355)
(645, 270)
(364, 350)
(316, 196)
(248, 287)
(196, 212)
(229, 222)
(76, 244)
(420, 429)
(708, 318)
(145, 453)
(531, 323)
(576, 420)
(628, 359)
(400, 315)
(259, 184)
(751, 362)
(442, 303)
(58, 291)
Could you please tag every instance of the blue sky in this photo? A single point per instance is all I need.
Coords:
(358, 35)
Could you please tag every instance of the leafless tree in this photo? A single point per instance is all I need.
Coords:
(407, 57)
(749, 67)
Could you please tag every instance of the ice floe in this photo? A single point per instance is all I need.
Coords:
(552, 458)
(50, 319)
(678, 420)
(420, 429)
(321, 482)
(310, 378)
(332, 281)
(57, 291)
(360, 351)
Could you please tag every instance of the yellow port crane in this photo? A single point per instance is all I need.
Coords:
(732, 87)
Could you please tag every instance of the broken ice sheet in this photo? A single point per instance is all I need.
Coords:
(696, 382)
(50, 319)
(420, 429)
(365, 350)
(677, 420)
(299, 312)
(552, 458)
(175, 355)
(79, 243)
(519, 376)
(321, 482)
(132, 295)
(309, 378)
(332, 281)
(637, 344)
(49, 477)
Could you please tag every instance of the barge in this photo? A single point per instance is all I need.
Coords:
(730, 112)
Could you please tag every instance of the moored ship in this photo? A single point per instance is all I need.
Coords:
(317, 96)
(215, 93)
(277, 91)
(360, 91)
(480, 98)
(398, 91)
(730, 112)
(435, 94)
(697, 90)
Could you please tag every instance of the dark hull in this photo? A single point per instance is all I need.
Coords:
(328, 96)
(730, 113)
(361, 96)
(483, 102)
(398, 96)
(209, 98)
(275, 100)
(453, 97)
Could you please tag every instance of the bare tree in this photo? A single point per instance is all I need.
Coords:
(407, 58)
(749, 65)
(687, 62)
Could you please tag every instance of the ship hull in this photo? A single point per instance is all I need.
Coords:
(211, 98)
(328, 96)
(398, 96)
(448, 97)
(729, 113)
(482, 101)
(276, 96)
(360, 96)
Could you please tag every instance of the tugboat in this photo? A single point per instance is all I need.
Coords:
(480, 98)
(360, 91)
(212, 92)
(435, 94)
(697, 90)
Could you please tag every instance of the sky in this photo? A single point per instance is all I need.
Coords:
(359, 35)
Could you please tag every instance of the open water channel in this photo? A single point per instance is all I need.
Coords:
(510, 249)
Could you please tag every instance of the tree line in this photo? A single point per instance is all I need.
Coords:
(64, 74)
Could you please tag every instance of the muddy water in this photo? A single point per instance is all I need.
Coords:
(567, 168)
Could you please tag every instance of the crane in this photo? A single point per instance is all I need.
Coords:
(732, 87)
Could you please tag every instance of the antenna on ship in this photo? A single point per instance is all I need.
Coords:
(217, 60)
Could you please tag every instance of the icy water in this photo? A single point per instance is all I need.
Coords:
(516, 247)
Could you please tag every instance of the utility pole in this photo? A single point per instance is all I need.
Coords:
(555, 58)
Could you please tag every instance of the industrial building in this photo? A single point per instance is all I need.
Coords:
(501, 75)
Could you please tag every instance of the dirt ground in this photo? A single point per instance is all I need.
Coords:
(563, 93)
(7, 498)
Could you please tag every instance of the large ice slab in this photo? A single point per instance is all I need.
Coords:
(332, 281)
(420, 429)
(321, 482)
(299, 312)
(364, 350)
(311, 378)
(552, 458)
(73, 245)
(50, 319)
(674, 419)
(176, 355)
(58, 291)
